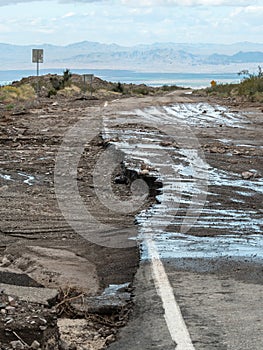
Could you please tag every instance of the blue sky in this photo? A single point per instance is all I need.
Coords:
(129, 22)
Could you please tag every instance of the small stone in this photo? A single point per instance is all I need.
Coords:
(35, 345)
(43, 321)
(166, 143)
(121, 179)
(246, 175)
(17, 345)
(217, 150)
(63, 345)
(9, 320)
(144, 172)
(110, 339)
(5, 262)
(10, 309)
(72, 347)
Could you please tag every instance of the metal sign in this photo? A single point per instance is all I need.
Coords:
(37, 55)
(88, 77)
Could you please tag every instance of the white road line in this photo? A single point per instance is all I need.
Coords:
(172, 312)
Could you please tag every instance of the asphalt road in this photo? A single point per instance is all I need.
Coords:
(202, 293)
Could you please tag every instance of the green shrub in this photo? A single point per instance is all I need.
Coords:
(252, 84)
(52, 92)
(251, 87)
(141, 90)
(168, 88)
(59, 83)
(66, 78)
(118, 88)
(10, 106)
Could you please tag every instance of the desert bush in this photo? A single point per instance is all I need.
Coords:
(69, 91)
(252, 84)
(168, 88)
(59, 83)
(118, 88)
(66, 78)
(56, 83)
(223, 90)
(10, 106)
(141, 90)
(250, 87)
(10, 93)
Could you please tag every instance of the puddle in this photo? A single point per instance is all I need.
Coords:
(205, 115)
(29, 179)
(187, 181)
(184, 246)
(20, 177)
(6, 177)
(248, 144)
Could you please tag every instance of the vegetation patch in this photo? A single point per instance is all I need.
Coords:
(250, 88)
(70, 85)
(10, 94)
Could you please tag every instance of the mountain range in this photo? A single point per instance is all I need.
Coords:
(159, 57)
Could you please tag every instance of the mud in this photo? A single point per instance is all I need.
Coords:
(35, 239)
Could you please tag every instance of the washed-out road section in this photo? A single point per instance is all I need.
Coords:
(211, 274)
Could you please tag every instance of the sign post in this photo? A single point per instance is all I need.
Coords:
(37, 57)
(86, 78)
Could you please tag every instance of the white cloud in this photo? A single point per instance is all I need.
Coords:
(14, 2)
(146, 3)
(152, 3)
(254, 9)
(69, 14)
(130, 22)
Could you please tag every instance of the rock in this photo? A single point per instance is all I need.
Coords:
(5, 262)
(114, 298)
(8, 276)
(166, 143)
(17, 344)
(117, 288)
(121, 179)
(217, 150)
(8, 320)
(63, 345)
(110, 339)
(10, 310)
(246, 175)
(169, 144)
(144, 172)
(43, 296)
(35, 345)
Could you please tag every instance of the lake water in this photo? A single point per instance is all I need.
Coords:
(193, 80)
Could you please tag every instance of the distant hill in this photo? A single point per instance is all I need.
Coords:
(162, 57)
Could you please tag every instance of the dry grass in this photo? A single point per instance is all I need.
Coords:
(250, 88)
(12, 94)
